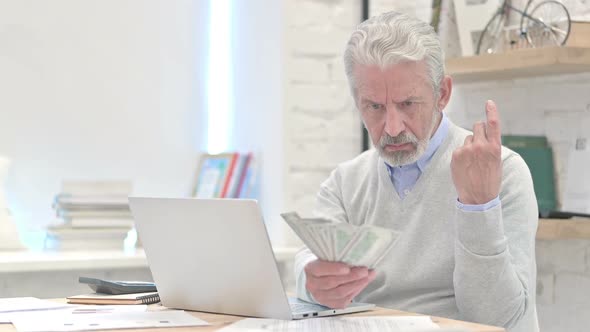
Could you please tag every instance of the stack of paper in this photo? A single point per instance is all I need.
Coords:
(29, 314)
(119, 320)
(336, 324)
(11, 306)
(343, 242)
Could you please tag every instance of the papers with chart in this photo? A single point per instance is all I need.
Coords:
(51, 322)
(340, 324)
(10, 306)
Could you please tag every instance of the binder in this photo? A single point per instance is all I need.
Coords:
(538, 156)
(98, 298)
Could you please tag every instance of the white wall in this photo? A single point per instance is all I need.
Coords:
(258, 96)
(99, 89)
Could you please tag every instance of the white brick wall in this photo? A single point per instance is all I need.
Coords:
(323, 129)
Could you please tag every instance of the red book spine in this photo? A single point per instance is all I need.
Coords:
(230, 172)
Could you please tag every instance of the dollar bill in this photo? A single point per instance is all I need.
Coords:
(308, 236)
(335, 241)
(369, 244)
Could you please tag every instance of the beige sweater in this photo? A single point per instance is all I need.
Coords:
(473, 266)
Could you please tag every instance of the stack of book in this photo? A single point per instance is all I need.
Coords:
(91, 215)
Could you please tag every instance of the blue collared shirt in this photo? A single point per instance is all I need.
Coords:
(405, 177)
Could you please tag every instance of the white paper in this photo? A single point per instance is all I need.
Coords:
(17, 305)
(104, 309)
(80, 322)
(27, 303)
(82, 309)
(340, 324)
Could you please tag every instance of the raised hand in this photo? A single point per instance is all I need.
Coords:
(476, 167)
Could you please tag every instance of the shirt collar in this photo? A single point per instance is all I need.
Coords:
(435, 141)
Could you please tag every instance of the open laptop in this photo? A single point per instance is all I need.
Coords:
(214, 255)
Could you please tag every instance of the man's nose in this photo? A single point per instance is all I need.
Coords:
(394, 123)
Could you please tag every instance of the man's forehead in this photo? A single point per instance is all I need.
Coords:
(404, 79)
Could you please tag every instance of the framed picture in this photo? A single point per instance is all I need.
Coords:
(212, 174)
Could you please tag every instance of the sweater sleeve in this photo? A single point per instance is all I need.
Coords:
(495, 271)
(302, 258)
(328, 205)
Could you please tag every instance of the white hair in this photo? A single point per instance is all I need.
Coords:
(391, 38)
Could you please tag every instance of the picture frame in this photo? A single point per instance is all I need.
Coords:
(212, 174)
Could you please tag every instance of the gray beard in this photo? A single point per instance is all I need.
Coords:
(399, 158)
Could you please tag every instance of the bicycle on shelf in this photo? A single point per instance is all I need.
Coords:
(542, 23)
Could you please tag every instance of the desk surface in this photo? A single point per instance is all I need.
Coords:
(219, 321)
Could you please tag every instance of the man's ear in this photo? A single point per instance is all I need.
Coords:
(446, 87)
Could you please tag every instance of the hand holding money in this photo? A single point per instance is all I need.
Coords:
(342, 242)
(335, 284)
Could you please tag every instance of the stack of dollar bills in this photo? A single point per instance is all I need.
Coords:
(342, 242)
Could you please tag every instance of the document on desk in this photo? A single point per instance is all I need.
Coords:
(27, 303)
(14, 305)
(50, 322)
(7, 317)
(335, 324)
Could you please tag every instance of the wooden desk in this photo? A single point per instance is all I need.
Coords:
(219, 321)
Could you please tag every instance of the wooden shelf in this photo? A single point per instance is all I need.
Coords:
(519, 63)
(27, 261)
(561, 229)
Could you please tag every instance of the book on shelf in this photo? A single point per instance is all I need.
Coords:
(224, 175)
(93, 195)
(91, 214)
(88, 234)
(538, 155)
(249, 182)
(99, 298)
(97, 187)
(241, 175)
(520, 141)
(125, 223)
(68, 201)
(229, 173)
(84, 245)
(53, 242)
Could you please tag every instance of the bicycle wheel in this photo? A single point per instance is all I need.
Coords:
(548, 25)
(491, 37)
(529, 5)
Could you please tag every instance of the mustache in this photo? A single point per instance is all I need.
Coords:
(399, 139)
